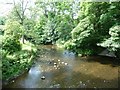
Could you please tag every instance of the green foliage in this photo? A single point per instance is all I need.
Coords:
(17, 62)
(13, 28)
(11, 44)
(2, 20)
(112, 43)
(95, 21)
(56, 23)
(17, 57)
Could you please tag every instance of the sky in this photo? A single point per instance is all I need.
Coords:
(6, 6)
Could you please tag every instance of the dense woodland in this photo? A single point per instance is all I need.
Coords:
(85, 28)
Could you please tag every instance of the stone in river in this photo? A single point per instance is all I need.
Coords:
(66, 63)
(13, 81)
(50, 62)
(55, 63)
(55, 66)
(43, 77)
(58, 60)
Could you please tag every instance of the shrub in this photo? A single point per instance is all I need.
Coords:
(113, 43)
(11, 44)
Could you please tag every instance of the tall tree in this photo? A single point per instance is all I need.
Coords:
(59, 20)
(19, 13)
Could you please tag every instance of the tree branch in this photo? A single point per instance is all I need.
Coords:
(17, 10)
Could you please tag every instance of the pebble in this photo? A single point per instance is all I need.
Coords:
(62, 62)
(66, 63)
(80, 82)
(55, 63)
(84, 84)
(104, 81)
(58, 60)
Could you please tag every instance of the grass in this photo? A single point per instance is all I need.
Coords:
(29, 46)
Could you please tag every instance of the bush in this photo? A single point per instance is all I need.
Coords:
(11, 44)
(83, 38)
(112, 43)
(16, 63)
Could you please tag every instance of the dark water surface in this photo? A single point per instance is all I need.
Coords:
(62, 69)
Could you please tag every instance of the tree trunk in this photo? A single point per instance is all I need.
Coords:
(23, 39)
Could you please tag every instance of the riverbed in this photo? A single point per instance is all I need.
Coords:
(59, 68)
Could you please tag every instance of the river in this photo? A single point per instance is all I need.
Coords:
(58, 68)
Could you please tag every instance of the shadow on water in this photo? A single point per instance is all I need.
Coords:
(62, 69)
(107, 60)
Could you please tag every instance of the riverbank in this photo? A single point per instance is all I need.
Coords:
(14, 65)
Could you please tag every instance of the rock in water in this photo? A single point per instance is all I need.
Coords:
(55, 63)
(55, 66)
(66, 63)
(50, 62)
(43, 77)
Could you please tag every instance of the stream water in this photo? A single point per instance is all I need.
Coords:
(58, 68)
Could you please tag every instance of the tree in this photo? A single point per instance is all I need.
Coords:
(59, 20)
(2, 20)
(13, 28)
(96, 18)
(113, 43)
(19, 12)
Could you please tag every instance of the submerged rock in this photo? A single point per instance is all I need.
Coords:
(50, 62)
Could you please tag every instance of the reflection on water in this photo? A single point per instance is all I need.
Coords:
(55, 68)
